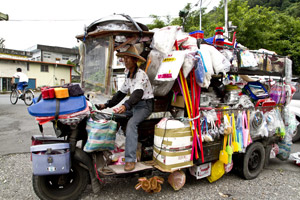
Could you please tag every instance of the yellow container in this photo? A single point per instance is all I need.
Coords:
(61, 93)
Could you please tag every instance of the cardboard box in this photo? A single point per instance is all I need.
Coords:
(171, 160)
(179, 102)
(201, 171)
(179, 138)
(172, 148)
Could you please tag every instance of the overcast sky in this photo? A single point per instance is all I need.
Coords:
(57, 22)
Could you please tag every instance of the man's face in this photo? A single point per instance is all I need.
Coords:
(130, 62)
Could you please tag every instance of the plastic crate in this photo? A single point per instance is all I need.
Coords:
(50, 159)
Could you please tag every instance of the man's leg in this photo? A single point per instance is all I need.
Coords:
(140, 112)
(20, 88)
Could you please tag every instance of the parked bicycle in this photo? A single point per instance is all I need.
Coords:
(27, 95)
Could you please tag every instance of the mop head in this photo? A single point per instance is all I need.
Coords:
(152, 185)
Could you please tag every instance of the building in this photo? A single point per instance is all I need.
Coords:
(53, 54)
(41, 72)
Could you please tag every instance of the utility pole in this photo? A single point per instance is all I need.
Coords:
(200, 16)
(226, 19)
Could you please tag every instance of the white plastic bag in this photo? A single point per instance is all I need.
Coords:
(188, 64)
(170, 67)
(219, 61)
(190, 44)
(164, 39)
(206, 58)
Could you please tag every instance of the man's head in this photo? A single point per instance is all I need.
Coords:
(130, 62)
(133, 53)
(19, 70)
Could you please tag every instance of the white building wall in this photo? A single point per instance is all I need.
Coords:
(51, 78)
(8, 68)
(57, 57)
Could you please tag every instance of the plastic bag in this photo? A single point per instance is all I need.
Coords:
(217, 171)
(248, 59)
(177, 179)
(120, 139)
(160, 88)
(206, 58)
(219, 61)
(199, 71)
(291, 124)
(164, 39)
(190, 44)
(188, 64)
(288, 71)
(258, 124)
(101, 135)
(278, 93)
(170, 67)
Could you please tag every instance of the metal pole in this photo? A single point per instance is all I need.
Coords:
(226, 19)
(200, 14)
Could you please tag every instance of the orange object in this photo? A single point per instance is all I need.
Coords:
(61, 93)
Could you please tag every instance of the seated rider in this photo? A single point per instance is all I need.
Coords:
(139, 105)
(23, 80)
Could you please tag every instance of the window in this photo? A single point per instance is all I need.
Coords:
(28, 67)
(44, 68)
(47, 55)
(65, 57)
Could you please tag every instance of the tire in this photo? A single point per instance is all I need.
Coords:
(253, 161)
(14, 97)
(71, 185)
(296, 135)
(28, 97)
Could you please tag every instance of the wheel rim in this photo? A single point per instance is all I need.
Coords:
(254, 160)
(14, 97)
(60, 185)
(28, 97)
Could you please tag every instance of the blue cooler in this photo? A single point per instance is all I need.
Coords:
(50, 159)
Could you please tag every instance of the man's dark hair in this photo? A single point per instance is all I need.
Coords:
(19, 70)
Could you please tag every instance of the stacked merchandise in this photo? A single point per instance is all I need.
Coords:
(219, 104)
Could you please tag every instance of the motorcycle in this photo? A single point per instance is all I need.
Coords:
(84, 167)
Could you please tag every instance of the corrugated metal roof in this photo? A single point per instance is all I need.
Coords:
(32, 61)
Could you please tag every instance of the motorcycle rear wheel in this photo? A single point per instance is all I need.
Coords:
(61, 187)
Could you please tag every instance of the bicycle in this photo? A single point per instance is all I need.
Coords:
(27, 95)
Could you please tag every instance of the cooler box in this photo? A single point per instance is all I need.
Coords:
(50, 159)
(47, 108)
(172, 148)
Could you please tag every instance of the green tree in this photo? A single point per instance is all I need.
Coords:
(158, 22)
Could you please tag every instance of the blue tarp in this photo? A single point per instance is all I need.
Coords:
(209, 40)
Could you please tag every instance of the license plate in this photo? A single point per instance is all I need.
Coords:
(51, 169)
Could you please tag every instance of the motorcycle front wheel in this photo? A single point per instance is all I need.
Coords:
(61, 187)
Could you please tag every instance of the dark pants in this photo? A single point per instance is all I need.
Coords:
(137, 114)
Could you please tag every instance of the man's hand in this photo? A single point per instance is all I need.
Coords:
(120, 110)
(100, 106)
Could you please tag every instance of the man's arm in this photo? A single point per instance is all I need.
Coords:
(119, 96)
(134, 98)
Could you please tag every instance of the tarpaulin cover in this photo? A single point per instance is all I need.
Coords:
(46, 108)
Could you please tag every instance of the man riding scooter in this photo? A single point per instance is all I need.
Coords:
(139, 105)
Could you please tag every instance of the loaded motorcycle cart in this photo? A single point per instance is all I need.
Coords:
(208, 116)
